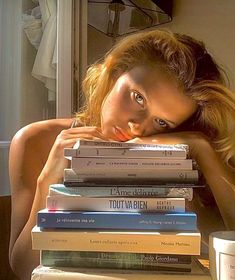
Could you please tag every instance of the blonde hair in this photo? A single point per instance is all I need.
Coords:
(186, 61)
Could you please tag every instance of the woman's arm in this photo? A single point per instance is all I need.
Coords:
(219, 177)
(28, 153)
(36, 161)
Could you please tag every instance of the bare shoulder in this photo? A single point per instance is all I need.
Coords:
(38, 137)
(39, 130)
(29, 151)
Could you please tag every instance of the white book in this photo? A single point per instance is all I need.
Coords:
(157, 242)
(161, 151)
(113, 144)
(58, 273)
(87, 163)
(128, 204)
(121, 191)
(182, 176)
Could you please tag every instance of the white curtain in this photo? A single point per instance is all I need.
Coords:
(44, 67)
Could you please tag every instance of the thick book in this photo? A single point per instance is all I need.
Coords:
(176, 176)
(117, 220)
(158, 151)
(116, 260)
(86, 163)
(153, 242)
(55, 273)
(128, 204)
(120, 191)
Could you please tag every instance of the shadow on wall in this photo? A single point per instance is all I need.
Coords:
(5, 221)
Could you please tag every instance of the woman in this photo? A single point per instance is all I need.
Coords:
(152, 87)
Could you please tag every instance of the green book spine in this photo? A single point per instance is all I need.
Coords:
(116, 260)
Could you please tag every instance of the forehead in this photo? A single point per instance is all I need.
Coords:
(150, 76)
(164, 97)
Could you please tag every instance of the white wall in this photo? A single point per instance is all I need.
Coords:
(212, 21)
(97, 44)
(10, 60)
(33, 92)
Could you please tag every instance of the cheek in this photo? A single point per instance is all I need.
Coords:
(107, 108)
(115, 105)
(108, 114)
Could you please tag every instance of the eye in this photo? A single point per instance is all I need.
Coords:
(162, 123)
(138, 98)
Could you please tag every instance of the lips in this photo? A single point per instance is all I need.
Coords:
(121, 134)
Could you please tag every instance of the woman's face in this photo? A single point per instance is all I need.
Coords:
(142, 103)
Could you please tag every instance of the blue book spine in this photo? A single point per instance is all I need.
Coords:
(117, 220)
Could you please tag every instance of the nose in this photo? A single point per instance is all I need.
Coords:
(137, 129)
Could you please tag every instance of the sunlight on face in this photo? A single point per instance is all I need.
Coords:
(143, 102)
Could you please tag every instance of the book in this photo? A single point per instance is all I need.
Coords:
(87, 163)
(55, 273)
(72, 180)
(120, 191)
(128, 204)
(129, 175)
(159, 151)
(104, 263)
(156, 242)
(113, 144)
(124, 182)
(117, 220)
(48, 257)
(116, 260)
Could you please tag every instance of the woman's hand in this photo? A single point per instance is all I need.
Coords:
(56, 162)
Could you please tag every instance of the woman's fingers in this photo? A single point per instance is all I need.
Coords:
(67, 138)
(87, 128)
(56, 163)
(82, 132)
(84, 129)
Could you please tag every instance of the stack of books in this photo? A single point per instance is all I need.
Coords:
(122, 206)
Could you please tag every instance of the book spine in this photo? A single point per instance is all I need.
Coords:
(117, 220)
(128, 204)
(125, 153)
(136, 164)
(141, 258)
(56, 273)
(112, 144)
(105, 262)
(110, 241)
(182, 176)
(141, 183)
(120, 191)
